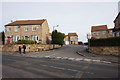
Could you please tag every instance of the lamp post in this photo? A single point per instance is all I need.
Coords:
(89, 37)
(53, 30)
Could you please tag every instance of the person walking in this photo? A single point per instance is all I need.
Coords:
(24, 47)
(20, 49)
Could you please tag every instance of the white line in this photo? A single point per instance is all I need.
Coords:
(72, 70)
(79, 59)
(71, 58)
(57, 67)
(96, 60)
(106, 62)
(87, 59)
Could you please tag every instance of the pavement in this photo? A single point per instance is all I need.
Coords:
(69, 52)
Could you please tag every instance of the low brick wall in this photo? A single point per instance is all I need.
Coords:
(29, 47)
(106, 50)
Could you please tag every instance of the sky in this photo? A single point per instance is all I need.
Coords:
(70, 16)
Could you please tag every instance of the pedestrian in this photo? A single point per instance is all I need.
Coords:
(24, 47)
(20, 49)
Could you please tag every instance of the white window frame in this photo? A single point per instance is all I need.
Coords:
(16, 29)
(9, 29)
(34, 28)
(16, 38)
(26, 28)
(34, 37)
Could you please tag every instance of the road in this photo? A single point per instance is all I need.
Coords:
(28, 67)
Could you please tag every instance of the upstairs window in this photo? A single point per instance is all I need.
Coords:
(98, 33)
(26, 28)
(71, 37)
(34, 28)
(16, 29)
(94, 33)
(104, 32)
(9, 29)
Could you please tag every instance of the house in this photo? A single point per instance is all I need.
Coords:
(71, 38)
(36, 30)
(110, 32)
(116, 29)
(99, 31)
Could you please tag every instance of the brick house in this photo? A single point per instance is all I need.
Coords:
(99, 31)
(116, 29)
(110, 32)
(71, 38)
(36, 30)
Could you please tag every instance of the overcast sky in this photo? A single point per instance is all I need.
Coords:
(70, 16)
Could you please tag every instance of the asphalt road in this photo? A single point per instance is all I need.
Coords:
(26, 67)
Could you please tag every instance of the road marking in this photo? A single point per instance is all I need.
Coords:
(79, 59)
(58, 57)
(87, 59)
(71, 58)
(57, 67)
(47, 56)
(65, 58)
(72, 70)
(96, 60)
(106, 62)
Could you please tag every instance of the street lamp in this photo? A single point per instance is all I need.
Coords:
(55, 26)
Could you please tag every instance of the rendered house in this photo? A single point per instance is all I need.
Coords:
(99, 31)
(71, 38)
(117, 26)
(36, 30)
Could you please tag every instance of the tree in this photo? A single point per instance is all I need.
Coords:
(3, 38)
(57, 37)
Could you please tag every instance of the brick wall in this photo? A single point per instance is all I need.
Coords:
(29, 48)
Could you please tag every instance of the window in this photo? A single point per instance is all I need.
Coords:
(15, 38)
(104, 32)
(94, 33)
(111, 32)
(16, 29)
(9, 29)
(75, 37)
(98, 33)
(71, 37)
(26, 37)
(26, 28)
(34, 28)
(35, 38)
(118, 34)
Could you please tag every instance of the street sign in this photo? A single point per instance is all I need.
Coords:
(88, 36)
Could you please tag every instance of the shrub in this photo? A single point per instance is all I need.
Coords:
(115, 41)
(26, 42)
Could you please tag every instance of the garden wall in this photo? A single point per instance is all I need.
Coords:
(106, 50)
(29, 47)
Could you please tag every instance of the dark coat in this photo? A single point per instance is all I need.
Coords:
(24, 47)
(19, 48)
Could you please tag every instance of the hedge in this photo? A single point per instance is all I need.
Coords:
(115, 41)
(26, 42)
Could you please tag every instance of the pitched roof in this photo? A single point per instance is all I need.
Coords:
(99, 28)
(111, 29)
(26, 22)
(72, 34)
